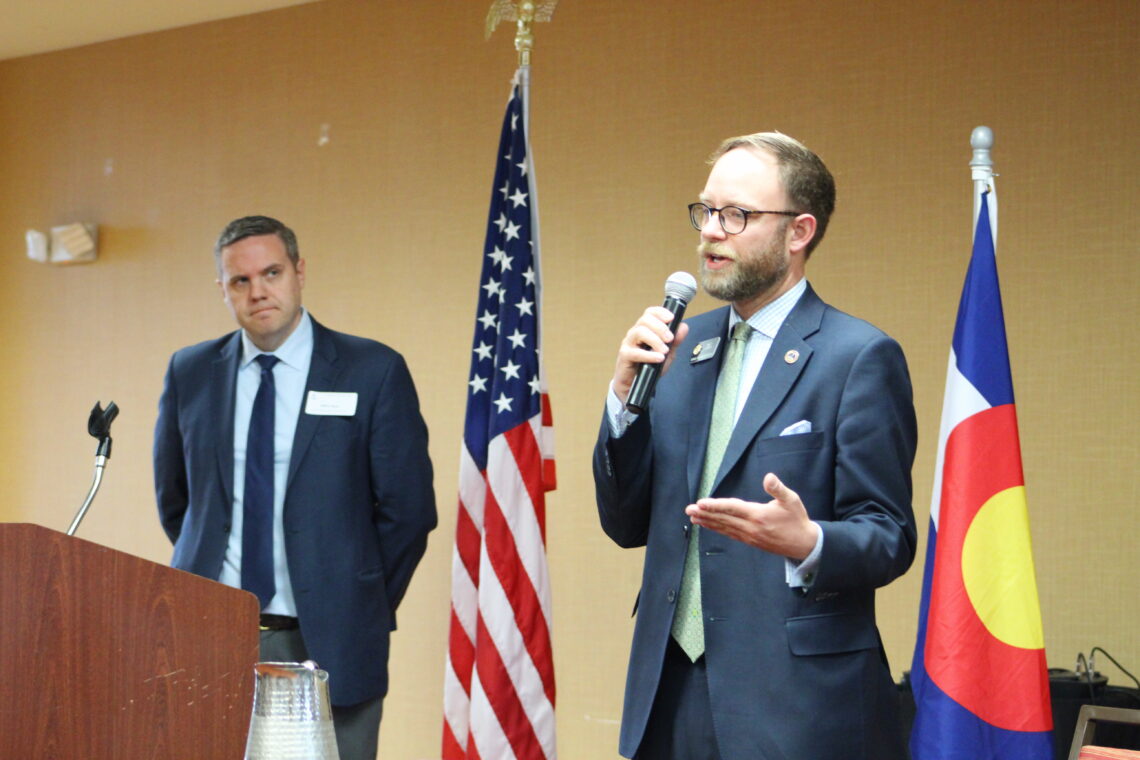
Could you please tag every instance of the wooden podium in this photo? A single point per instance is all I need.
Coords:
(104, 655)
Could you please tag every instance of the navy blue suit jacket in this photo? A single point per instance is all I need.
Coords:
(792, 674)
(358, 506)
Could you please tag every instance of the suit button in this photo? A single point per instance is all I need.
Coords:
(671, 596)
(685, 529)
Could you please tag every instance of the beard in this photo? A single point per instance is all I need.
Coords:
(755, 272)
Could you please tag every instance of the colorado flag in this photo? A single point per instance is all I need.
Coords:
(980, 682)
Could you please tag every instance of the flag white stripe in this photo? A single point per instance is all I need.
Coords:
(544, 434)
(464, 596)
(962, 400)
(486, 731)
(456, 703)
(472, 488)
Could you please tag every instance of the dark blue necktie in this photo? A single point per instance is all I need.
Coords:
(257, 514)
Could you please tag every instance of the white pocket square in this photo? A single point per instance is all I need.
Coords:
(797, 428)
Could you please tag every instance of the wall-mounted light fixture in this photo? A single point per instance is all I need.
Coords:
(75, 243)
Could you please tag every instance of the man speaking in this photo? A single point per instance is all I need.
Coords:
(291, 460)
(769, 481)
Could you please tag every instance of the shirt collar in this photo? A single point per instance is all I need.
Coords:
(292, 352)
(768, 319)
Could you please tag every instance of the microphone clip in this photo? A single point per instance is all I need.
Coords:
(99, 426)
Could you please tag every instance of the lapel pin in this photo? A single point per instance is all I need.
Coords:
(704, 350)
(792, 356)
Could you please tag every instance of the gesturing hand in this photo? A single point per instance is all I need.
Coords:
(780, 526)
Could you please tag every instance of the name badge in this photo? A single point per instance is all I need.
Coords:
(704, 350)
(331, 404)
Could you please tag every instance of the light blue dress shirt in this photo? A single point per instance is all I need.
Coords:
(290, 375)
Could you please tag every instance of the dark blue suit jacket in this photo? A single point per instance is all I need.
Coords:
(791, 674)
(359, 501)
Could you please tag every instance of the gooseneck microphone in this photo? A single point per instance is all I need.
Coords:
(99, 426)
(679, 290)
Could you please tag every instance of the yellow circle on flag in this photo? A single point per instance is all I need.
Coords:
(997, 568)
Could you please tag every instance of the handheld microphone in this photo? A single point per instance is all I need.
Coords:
(679, 290)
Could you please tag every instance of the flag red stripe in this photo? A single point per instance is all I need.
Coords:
(549, 471)
(462, 653)
(547, 414)
(467, 544)
(527, 456)
(504, 700)
(452, 750)
(549, 478)
(504, 558)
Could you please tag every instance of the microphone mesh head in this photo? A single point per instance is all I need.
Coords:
(682, 286)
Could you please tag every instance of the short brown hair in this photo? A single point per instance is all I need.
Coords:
(806, 180)
(252, 226)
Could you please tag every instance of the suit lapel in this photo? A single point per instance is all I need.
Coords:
(223, 388)
(701, 388)
(778, 375)
(323, 373)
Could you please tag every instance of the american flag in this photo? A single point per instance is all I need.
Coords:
(499, 680)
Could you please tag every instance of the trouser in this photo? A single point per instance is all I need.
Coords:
(680, 724)
(357, 726)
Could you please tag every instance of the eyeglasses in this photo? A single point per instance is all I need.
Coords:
(733, 219)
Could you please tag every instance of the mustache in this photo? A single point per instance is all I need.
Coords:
(715, 249)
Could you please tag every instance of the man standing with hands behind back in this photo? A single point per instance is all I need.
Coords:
(291, 460)
(770, 484)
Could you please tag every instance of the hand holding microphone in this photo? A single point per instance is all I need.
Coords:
(645, 351)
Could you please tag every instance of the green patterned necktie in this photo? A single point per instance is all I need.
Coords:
(688, 625)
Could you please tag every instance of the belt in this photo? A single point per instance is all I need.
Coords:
(270, 622)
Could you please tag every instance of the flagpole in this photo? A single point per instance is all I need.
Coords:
(982, 171)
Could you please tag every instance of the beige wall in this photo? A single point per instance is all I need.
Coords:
(163, 138)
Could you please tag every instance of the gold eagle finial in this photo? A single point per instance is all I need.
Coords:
(523, 13)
